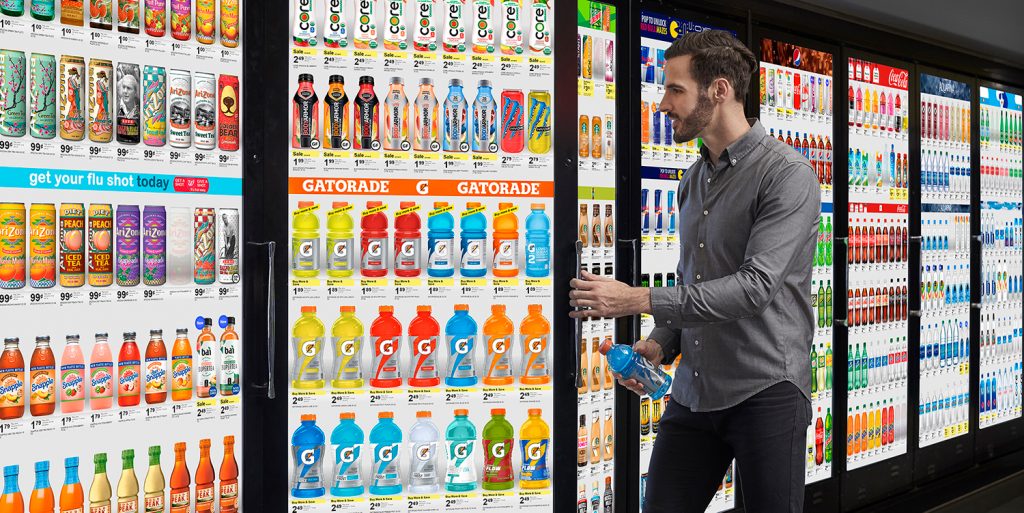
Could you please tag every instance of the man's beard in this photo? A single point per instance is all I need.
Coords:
(686, 129)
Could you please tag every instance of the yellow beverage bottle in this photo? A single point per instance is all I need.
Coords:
(347, 340)
(535, 437)
(306, 241)
(340, 241)
(154, 486)
(128, 486)
(99, 492)
(308, 342)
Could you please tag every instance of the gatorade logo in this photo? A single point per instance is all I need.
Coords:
(386, 454)
(348, 348)
(535, 345)
(408, 248)
(499, 345)
(306, 249)
(441, 249)
(462, 346)
(308, 456)
(374, 248)
(386, 347)
(506, 249)
(340, 249)
(424, 452)
(535, 451)
(424, 346)
(462, 450)
(498, 451)
(348, 455)
(309, 347)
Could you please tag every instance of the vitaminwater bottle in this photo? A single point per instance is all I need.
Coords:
(308, 454)
(101, 374)
(473, 226)
(336, 117)
(485, 120)
(347, 438)
(424, 332)
(506, 241)
(72, 376)
(206, 368)
(347, 340)
(72, 497)
(534, 332)
(425, 135)
(538, 242)
(11, 500)
(396, 116)
(455, 133)
(440, 241)
(534, 437)
(630, 365)
(386, 440)
(306, 240)
(460, 438)
(460, 333)
(181, 367)
(498, 331)
(367, 117)
(407, 240)
(373, 241)
(308, 342)
(340, 241)
(497, 442)
(41, 500)
(386, 335)
(423, 440)
(305, 118)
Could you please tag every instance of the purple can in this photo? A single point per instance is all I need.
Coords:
(126, 226)
(154, 245)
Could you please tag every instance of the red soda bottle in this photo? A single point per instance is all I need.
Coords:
(407, 240)
(373, 241)
(424, 332)
(386, 335)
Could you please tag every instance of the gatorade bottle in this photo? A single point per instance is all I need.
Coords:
(460, 438)
(498, 452)
(308, 341)
(630, 365)
(407, 240)
(440, 241)
(423, 439)
(347, 438)
(386, 335)
(534, 437)
(538, 242)
(506, 242)
(474, 237)
(424, 332)
(460, 334)
(308, 452)
(347, 340)
(534, 332)
(340, 245)
(385, 438)
(306, 241)
(373, 240)
(498, 330)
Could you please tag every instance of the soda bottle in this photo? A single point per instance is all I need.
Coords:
(424, 332)
(305, 118)
(72, 377)
(534, 437)
(228, 493)
(440, 241)
(460, 334)
(41, 500)
(423, 440)
(153, 487)
(386, 335)
(534, 332)
(12, 381)
(506, 241)
(453, 39)
(513, 133)
(129, 372)
(181, 495)
(128, 485)
(307, 452)
(336, 117)
(407, 240)
(206, 369)
(99, 492)
(308, 342)
(205, 493)
(156, 368)
(485, 119)
(306, 240)
(42, 379)
(630, 365)
(340, 243)
(460, 438)
(373, 240)
(497, 442)
(101, 374)
(347, 438)
(455, 137)
(181, 366)
(425, 121)
(347, 340)
(11, 500)
(386, 439)
(228, 380)
(498, 330)
(538, 242)
(473, 225)
(396, 116)
(367, 116)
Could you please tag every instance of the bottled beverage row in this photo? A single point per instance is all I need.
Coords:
(942, 238)
(946, 174)
(596, 137)
(599, 231)
(101, 245)
(137, 375)
(1006, 132)
(869, 172)
(944, 413)
(817, 150)
(595, 502)
(658, 280)
(154, 105)
(821, 301)
(870, 305)
(595, 56)
(879, 111)
(651, 410)
(877, 240)
(1001, 176)
(661, 225)
(945, 120)
(874, 429)
(404, 259)
(819, 440)
(596, 447)
(596, 375)
(460, 25)
(381, 473)
(154, 15)
(877, 362)
(821, 368)
(945, 286)
(656, 130)
(1001, 336)
(792, 90)
(348, 368)
(1000, 392)
(1001, 282)
(208, 494)
(823, 246)
(1001, 232)
(945, 345)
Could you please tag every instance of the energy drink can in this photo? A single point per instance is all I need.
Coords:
(336, 120)
(12, 245)
(100, 263)
(206, 31)
(229, 22)
(154, 245)
(456, 125)
(72, 98)
(101, 125)
(43, 93)
(655, 416)
(227, 245)
(72, 244)
(179, 107)
(645, 416)
(203, 242)
(540, 28)
(513, 133)
(396, 36)
(42, 249)
(12, 93)
(512, 29)
(396, 116)
(179, 246)
(539, 136)
(425, 120)
(129, 111)
(365, 25)
(336, 32)
(204, 92)
(227, 113)
(154, 106)
(485, 120)
(129, 260)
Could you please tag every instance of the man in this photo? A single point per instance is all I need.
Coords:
(741, 318)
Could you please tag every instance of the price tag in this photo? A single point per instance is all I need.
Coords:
(101, 38)
(346, 504)
(39, 425)
(493, 501)
(182, 49)
(101, 418)
(72, 297)
(72, 34)
(423, 396)
(306, 398)
(206, 409)
(230, 406)
(609, 90)
(129, 415)
(43, 30)
(204, 293)
(585, 87)
(156, 46)
(498, 395)
(126, 295)
(12, 428)
(424, 503)
(300, 505)
(13, 298)
(462, 502)
(345, 397)
(72, 422)
(184, 409)
(158, 411)
(204, 52)
(386, 397)
(459, 396)
(390, 504)
(538, 499)
(534, 394)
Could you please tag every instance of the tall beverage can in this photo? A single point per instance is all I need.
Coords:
(100, 260)
(43, 96)
(227, 245)
(129, 111)
(609, 137)
(42, 249)
(513, 126)
(539, 136)
(154, 106)
(203, 241)
(128, 16)
(101, 125)
(72, 98)
(206, 28)
(179, 107)
(72, 244)
(155, 17)
(101, 14)
(179, 246)
(72, 12)
(205, 117)
(227, 113)
(154, 245)
(229, 23)
(129, 261)
(12, 245)
(181, 19)
(12, 93)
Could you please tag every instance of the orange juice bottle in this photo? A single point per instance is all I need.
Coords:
(205, 493)
(498, 329)
(535, 437)
(229, 478)
(181, 497)
(181, 367)
(12, 381)
(534, 332)
(506, 242)
(41, 500)
(72, 498)
(11, 501)
(42, 379)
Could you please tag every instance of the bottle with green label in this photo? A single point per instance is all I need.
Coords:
(497, 440)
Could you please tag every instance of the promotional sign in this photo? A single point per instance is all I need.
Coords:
(120, 278)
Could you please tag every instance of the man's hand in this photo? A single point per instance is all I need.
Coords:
(605, 297)
(650, 350)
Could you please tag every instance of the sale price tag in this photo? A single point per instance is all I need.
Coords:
(206, 409)
(230, 406)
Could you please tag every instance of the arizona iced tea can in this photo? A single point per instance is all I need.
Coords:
(205, 117)
(155, 17)
(227, 113)
(72, 98)
(12, 93)
(154, 106)
(206, 30)
(72, 244)
(100, 263)
(129, 112)
(43, 96)
(179, 108)
(101, 124)
(204, 239)
(229, 22)
(154, 245)
(179, 245)
(12, 245)
(128, 258)
(227, 245)
(128, 16)
(42, 249)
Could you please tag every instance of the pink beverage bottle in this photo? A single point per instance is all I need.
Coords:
(72, 377)
(396, 116)
(101, 374)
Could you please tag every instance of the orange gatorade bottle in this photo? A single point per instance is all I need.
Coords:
(498, 330)
(534, 332)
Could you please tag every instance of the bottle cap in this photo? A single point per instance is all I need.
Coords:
(73, 339)
(43, 340)
(42, 466)
(229, 440)
(461, 412)
(305, 77)
(339, 204)
(204, 443)
(336, 79)
(534, 308)
(454, 83)
(365, 79)
(373, 204)
(423, 415)
(386, 309)
(179, 447)
(605, 346)
(406, 204)
(347, 308)
(100, 458)
(304, 204)
(396, 80)
(128, 335)
(385, 415)
(308, 309)
(536, 206)
(472, 205)
(461, 308)
(10, 470)
(207, 322)
(231, 320)
(440, 204)
(497, 309)
(423, 309)
(498, 411)
(184, 331)
(71, 461)
(503, 205)
(154, 451)
(533, 412)
(308, 417)
(155, 333)
(347, 415)
(484, 83)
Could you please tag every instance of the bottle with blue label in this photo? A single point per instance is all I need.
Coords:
(440, 241)
(347, 439)
(460, 438)
(386, 439)
(630, 365)
(538, 242)
(473, 226)
(308, 452)
(423, 440)
(460, 334)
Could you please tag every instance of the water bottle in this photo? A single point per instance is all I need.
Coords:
(630, 365)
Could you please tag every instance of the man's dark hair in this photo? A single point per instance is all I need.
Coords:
(716, 54)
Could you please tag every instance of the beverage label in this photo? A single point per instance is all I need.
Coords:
(347, 467)
(308, 460)
(181, 29)
(396, 120)
(43, 93)
(460, 358)
(229, 23)
(347, 358)
(498, 360)
(205, 119)
(439, 256)
(205, 21)
(512, 30)
(395, 34)
(424, 38)
(540, 32)
(100, 508)
(181, 373)
(128, 378)
(204, 497)
(336, 32)
(128, 505)
(407, 253)
(483, 26)
(154, 111)
(498, 461)
(228, 496)
(386, 358)
(229, 384)
(128, 261)
(72, 98)
(506, 254)
(12, 388)
(304, 27)
(308, 365)
(101, 247)
(366, 24)
(456, 126)
(42, 9)
(43, 381)
(453, 39)
(101, 376)
(424, 358)
(155, 17)
(72, 383)
(535, 359)
(42, 252)
(485, 124)
(206, 370)
(535, 460)
(227, 246)
(539, 122)
(129, 112)
(473, 254)
(385, 469)
(156, 375)
(373, 257)
(12, 247)
(154, 246)
(339, 257)
(461, 469)
(180, 500)
(424, 464)
(179, 107)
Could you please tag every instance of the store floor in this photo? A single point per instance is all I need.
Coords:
(1003, 496)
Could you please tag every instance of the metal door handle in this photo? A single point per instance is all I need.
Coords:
(578, 324)
(271, 340)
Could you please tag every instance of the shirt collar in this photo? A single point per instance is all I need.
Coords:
(740, 148)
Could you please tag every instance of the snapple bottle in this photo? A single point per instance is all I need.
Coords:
(42, 379)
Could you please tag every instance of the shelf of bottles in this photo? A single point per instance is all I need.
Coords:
(877, 296)
(944, 392)
(796, 108)
(1001, 195)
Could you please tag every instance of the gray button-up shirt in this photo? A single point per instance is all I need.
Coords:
(741, 315)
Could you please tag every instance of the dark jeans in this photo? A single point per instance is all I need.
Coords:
(766, 435)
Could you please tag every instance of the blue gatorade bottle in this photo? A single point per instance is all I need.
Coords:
(348, 441)
(460, 333)
(630, 365)
(474, 241)
(538, 242)
(386, 439)
(308, 451)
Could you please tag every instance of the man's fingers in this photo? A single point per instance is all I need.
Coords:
(583, 314)
(581, 284)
